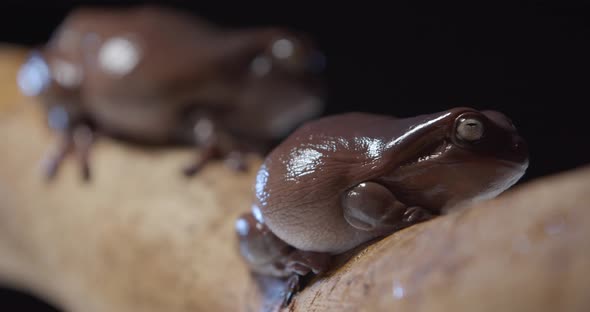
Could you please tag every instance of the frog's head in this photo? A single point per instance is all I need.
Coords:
(284, 87)
(465, 155)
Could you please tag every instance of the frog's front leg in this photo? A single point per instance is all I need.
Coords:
(74, 135)
(370, 206)
(291, 288)
(214, 143)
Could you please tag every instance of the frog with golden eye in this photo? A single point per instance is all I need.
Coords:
(343, 180)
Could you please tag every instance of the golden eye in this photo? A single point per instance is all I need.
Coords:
(470, 129)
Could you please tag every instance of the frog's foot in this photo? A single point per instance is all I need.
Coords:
(78, 140)
(235, 160)
(416, 214)
(208, 153)
(291, 288)
(370, 206)
(300, 263)
(215, 144)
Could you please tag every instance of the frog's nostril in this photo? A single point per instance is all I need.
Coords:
(517, 150)
(518, 143)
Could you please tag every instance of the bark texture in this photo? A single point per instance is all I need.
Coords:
(141, 237)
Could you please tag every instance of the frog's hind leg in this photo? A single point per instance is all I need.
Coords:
(74, 137)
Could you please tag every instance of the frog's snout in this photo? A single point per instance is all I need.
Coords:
(518, 143)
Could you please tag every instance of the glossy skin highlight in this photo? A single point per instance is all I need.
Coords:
(343, 180)
(159, 76)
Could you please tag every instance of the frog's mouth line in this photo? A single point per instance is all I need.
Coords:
(512, 164)
(491, 160)
(432, 152)
(428, 152)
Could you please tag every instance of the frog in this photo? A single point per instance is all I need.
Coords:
(158, 76)
(345, 180)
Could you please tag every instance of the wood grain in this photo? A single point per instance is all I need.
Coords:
(140, 237)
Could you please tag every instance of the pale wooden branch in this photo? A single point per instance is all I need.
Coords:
(140, 237)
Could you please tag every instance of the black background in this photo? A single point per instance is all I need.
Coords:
(529, 60)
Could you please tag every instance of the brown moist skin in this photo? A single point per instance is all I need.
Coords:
(339, 181)
(155, 75)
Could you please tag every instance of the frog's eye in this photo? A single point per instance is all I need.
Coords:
(283, 48)
(296, 55)
(281, 54)
(470, 129)
(290, 55)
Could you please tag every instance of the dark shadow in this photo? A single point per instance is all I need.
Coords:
(14, 300)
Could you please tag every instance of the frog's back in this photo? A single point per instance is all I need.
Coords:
(158, 34)
(140, 65)
(301, 181)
